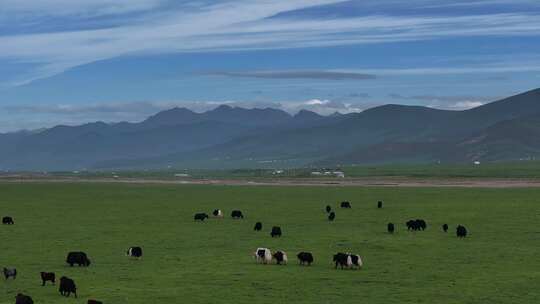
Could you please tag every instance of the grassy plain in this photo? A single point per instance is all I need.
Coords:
(210, 262)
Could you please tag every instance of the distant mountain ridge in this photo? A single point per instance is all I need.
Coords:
(228, 137)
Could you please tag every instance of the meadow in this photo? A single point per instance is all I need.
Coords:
(211, 262)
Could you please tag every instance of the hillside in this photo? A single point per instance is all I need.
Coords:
(508, 129)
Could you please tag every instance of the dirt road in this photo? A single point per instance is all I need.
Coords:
(348, 182)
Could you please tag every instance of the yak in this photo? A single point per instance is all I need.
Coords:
(67, 286)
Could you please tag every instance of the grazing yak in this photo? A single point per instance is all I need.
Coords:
(276, 231)
(237, 214)
(217, 213)
(331, 216)
(305, 258)
(461, 231)
(258, 226)
(379, 204)
(390, 227)
(263, 255)
(355, 261)
(346, 205)
(422, 224)
(135, 252)
(411, 224)
(79, 258)
(416, 225)
(47, 276)
(200, 217)
(328, 209)
(341, 259)
(281, 257)
(67, 286)
(94, 302)
(445, 227)
(23, 299)
(347, 260)
(10, 272)
(7, 220)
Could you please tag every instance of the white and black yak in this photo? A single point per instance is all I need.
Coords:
(263, 255)
(10, 272)
(135, 252)
(280, 257)
(347, 260)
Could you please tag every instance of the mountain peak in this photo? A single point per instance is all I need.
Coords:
(173, 116)
(306, 115)
(223, 108)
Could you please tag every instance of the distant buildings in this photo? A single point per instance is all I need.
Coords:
(325, 172)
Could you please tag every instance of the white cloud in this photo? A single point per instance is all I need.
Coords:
(78, 7)
(468, 104)
(239, 25)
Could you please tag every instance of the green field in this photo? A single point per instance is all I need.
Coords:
(493, 170)
(211, 262)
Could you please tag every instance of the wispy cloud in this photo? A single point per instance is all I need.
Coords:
(452, 102)
(78, 7)
(238, 25)
(298, 74)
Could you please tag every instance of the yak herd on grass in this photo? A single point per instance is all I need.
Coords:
(66, 286)
(262, 255)
(343, 260)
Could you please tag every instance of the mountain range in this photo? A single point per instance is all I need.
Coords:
(232, 137)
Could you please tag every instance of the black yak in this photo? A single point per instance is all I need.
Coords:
(379, 204)
(67, 286)
(7, 220)
(258, 226)
(461, 231)
(47, 276)
(345, 205)
(421, 224)
(23, 299)
(331, 216)
(390, 227)
(328, 209)
(445, 227)
(276, 231)
(79, 258)
(237, 214)
(305, 258)
(340, 259)
(200, 217)
(416, 225)
(411, 225)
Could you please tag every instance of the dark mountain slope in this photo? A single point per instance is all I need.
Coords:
(505, 129)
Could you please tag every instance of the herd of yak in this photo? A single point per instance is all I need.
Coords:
(67, 286)
(343, 260)
(261, 255)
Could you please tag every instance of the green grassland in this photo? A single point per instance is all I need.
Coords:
(210, 262)
(496, 170)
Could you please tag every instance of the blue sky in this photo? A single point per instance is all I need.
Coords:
(69, 62)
